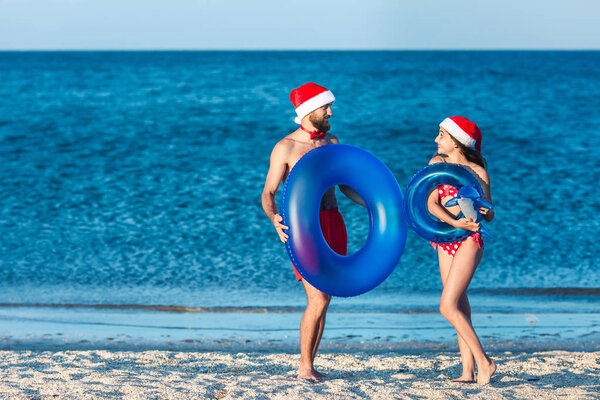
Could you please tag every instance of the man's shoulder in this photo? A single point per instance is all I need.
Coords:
(332, 138)
(285, 145)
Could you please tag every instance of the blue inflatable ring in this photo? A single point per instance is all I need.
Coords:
(316, 172)
(417, 192)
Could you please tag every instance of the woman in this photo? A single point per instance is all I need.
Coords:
(459, 142)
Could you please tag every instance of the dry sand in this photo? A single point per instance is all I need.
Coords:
(220, 375)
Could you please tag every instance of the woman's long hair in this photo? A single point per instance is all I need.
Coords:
(470, 154)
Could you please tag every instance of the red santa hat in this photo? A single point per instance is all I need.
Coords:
(308, 97)
(463, 130)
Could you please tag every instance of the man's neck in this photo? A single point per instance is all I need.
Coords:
(313, 134)
(308, 126)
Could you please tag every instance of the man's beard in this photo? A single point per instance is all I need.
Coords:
(321, 124)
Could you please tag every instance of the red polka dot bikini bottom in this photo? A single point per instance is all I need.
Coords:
(452, 248)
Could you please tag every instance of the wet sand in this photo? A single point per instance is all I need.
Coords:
(62, 329)
(223, 375)
(78, 353)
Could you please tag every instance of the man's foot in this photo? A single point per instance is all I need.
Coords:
(484, 373)
(319, 375)
(309, 375)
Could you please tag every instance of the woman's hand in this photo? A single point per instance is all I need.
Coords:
(483, 210)
(467, 224)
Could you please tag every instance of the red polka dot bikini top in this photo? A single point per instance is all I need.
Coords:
(447, 190)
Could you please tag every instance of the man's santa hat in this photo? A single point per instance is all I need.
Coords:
(463, 130)
(308, 97)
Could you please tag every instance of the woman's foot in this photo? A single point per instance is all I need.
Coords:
(485, 372)
(467, 377)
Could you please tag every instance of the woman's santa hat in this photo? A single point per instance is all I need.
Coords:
(308, 97)
(463, 130)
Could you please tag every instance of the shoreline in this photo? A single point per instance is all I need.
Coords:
(35, 328)
(221, 375)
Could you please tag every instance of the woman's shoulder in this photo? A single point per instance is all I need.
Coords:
(481, 172)
(436, 159)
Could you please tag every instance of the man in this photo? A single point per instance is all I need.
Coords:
(313, 108)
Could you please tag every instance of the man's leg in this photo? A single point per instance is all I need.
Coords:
(311, 329)
(319, 333)
(313, 320)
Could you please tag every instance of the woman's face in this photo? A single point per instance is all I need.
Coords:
(444, 142)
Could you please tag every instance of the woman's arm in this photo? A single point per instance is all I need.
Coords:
(488, 215)
(440, 212)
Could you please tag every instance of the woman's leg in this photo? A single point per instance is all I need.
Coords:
(468, 364)
(461, 272)
(466, 355)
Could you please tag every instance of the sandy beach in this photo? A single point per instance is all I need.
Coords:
(222, 375)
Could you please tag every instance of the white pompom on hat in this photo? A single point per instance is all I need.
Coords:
(308, 97)
(463, 130)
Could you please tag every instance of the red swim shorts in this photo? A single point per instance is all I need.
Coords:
(334, 231)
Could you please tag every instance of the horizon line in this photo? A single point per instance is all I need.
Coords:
(290, 50)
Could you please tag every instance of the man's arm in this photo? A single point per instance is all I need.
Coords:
(347, 190)
(352, 194)
(275, 175)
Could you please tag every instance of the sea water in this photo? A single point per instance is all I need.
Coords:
(134, 178)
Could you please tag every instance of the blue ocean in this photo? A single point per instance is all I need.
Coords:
(132, 180)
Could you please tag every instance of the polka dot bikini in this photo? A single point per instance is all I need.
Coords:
(452, 248)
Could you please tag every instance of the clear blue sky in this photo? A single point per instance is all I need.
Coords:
(293, 24)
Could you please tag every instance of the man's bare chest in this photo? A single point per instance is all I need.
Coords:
(301, 150)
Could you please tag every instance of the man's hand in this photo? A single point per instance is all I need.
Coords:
(279, 227)
(483, 210)
(466, 223)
